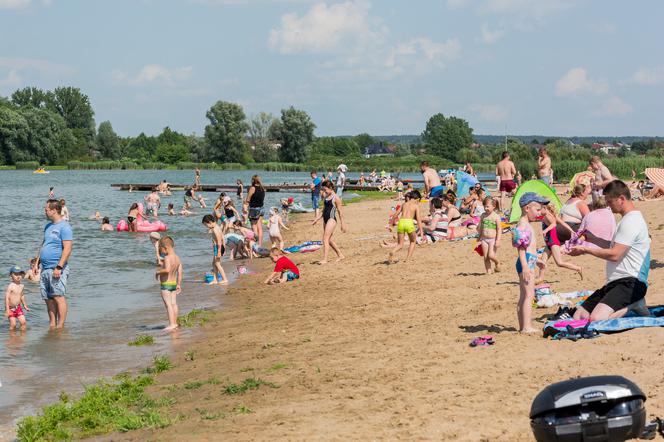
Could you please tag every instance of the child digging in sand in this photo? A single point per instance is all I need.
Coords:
(169, 275)
(524, 241)
(490, 234)
(549, 223)
(217, 249)
(284, 270)
(15, 299)
(409, 213)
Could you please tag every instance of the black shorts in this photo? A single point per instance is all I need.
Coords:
(617, 294)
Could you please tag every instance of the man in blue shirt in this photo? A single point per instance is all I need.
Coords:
(54, 254)
(315, 191)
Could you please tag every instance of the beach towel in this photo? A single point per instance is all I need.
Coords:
(627, 322)
(307, 246)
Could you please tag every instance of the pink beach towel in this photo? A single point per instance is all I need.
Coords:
(574, 323)
(601, 223)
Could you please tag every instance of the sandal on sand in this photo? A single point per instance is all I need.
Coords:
(482, 341)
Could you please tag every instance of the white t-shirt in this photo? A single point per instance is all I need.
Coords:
(632, 231)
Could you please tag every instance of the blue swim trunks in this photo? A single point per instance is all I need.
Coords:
(291, 276)
(436, 191)
(530, 259)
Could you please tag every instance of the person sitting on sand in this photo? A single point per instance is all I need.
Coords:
(640, 191)
(106, 225)
(454, 227)
(573, 212)
(467, 202)
(248, 235)
(476, 210)
(436, 227)
(284, 270)
(627, 256)
(169, 274)
(409, 214)
(655, 193)
(523, 239)
(331, 207)
(490, 232)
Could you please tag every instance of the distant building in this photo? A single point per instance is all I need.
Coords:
(610, 148)
(380, 149)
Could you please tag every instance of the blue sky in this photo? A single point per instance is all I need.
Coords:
(553, 67)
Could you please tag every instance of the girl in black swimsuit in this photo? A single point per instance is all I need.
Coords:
(332, 206)
(255, 200)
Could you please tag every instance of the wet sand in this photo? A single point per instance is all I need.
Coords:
(365, 350)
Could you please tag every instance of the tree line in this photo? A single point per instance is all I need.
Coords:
(58, 126)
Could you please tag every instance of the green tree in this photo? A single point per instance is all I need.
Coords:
(108, 142)
(296, 133)
(142, 147)
(169, 136)
(13, 135)
(225, 135)
(171, 153)
(260, 134)
(74, 107)
(49, 139)
(467, 155)
(363, 141)
(445, 136)
(30, 97)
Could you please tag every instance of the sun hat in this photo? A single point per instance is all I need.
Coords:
(532, 197)
(16, 270)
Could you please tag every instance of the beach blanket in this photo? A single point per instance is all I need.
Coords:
(627, 322)
(308, 246)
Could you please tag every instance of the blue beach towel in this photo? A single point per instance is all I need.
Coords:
(627, 322)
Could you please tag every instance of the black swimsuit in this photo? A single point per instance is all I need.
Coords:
(329, 210)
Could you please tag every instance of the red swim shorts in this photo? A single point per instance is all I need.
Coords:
(507, 185)
(16, 312)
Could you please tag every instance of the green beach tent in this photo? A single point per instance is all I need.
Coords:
(540, 188)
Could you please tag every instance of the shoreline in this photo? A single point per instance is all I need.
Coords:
(361, 349)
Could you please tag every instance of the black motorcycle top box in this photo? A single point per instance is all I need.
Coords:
(597, 408)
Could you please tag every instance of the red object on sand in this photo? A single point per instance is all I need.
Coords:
(479, 250)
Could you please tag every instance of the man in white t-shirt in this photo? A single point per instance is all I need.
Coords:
(627, 259)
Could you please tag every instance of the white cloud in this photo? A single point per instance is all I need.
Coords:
(613, 107)
(491, 112)
(153, 74)
(14, 70)
(489, 36)
(418, 53)
(327, 29)
(649, 76)
(576, 81)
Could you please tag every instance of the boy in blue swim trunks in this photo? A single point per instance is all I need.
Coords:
(217, 249)
(524, 241)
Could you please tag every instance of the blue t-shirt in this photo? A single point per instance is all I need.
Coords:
(51, 251)
(316, 190)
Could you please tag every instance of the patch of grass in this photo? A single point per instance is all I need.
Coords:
(120, 404)
(246, 369)
(369, 195)
(189, 355)
(246, 385)
(141, 340)
(193, 385)
(195, 317)
(241, 409)
(206, 415)
(276, 367)
(160, 364)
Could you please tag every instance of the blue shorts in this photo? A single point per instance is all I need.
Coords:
(436, 191)
(339, 191)
(546, 179)
(291, 276)
(531, 260)
(314, 201)
(215, 250)
(51, 287)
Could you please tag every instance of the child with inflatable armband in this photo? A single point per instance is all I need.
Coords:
(284, 270)
(523, 239)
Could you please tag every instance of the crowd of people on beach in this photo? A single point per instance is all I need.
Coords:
(452, 215)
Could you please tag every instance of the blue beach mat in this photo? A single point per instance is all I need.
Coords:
(627, 322)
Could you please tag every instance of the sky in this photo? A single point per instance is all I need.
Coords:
(548, 67)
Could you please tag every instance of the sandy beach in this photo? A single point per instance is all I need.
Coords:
(365, 350)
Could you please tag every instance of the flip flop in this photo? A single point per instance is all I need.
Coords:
(482, 341)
